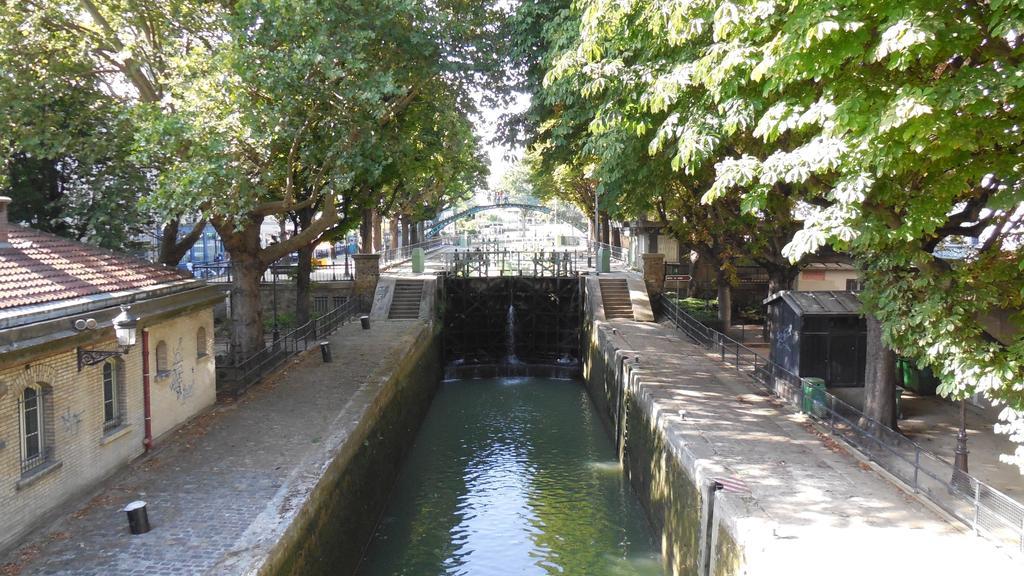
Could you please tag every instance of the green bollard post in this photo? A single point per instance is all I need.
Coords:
(417, 260)
(604, 260)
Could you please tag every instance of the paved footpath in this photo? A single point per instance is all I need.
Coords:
(812, 508)
(209, 482)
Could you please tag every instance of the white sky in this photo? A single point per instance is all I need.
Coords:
(485, 126)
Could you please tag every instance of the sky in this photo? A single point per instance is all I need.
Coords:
(485, 126)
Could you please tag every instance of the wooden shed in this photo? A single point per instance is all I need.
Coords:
(819, 334)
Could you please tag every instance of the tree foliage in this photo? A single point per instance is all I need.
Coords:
(892, 127)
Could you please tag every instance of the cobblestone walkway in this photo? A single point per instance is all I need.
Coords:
(208, 482)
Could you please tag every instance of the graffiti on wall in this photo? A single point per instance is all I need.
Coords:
(71, 421)
(182, 387)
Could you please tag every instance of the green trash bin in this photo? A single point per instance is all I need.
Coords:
(909, 376)
(899, 403)
(814, 397)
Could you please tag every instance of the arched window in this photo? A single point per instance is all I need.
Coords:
(113, 394)
(201, 342)
(32, 410)
(161, 358)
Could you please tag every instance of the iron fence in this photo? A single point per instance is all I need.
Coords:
(617, 253)
(252, 369)
(480, 263)
(395, 256)
(987, 511)
(223, 272)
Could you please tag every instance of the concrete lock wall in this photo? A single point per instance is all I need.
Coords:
(338, 518)
(664, 478)
(330, 295)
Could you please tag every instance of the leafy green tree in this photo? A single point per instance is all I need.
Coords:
(893, 127)
(75, 73)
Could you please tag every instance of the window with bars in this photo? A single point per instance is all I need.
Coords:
(34, 416)
(337, 301)
(113, 395)
(162, 367)
(319, 305)
(201, 345)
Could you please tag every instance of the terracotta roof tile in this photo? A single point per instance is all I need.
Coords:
(40, 267)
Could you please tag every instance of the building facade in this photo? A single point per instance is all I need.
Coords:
(76, 402)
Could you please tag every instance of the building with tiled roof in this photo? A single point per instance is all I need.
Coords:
(101, 354)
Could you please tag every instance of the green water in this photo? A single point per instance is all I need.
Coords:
(512, 476)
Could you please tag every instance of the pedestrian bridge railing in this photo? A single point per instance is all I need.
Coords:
(282, 271)
(394, 256)
(984, 509)
(476, 263)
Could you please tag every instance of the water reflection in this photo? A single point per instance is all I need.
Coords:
(512, 478)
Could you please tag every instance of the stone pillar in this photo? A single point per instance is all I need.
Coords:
(367, 274)
(654, 273)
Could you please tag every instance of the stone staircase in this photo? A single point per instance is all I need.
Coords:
(615, 297)
(405, 305)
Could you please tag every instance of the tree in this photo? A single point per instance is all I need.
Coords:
(75, 75)
(893, 125)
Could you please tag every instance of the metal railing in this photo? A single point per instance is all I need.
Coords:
(986, 510)
(618, 253)
(479, 263)
(395, 256)
(43, 457)
(253, 368)
(222, 272)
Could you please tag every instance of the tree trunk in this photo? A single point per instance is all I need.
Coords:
(724, 300)
(366, 232)
(880, 377)
(393, 229)
(616, 238)
(406, 229)
(303, 283)
(604, 227)
(378, 233)
(171, 249)
(780, 279)
(246, 309)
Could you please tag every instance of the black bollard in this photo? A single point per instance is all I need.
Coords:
(138, 519)
(365, 322)
(325, 351)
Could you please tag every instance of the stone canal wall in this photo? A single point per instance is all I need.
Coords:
(795, 501)
(338, 517)
(666, 474)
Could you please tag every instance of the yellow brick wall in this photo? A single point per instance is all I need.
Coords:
(189, 384)
(86, 453)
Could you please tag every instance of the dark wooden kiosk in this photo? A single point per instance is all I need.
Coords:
(818, 334)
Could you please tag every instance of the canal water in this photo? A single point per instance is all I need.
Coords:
(512, 476)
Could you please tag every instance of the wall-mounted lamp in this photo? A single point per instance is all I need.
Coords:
(125, 327)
